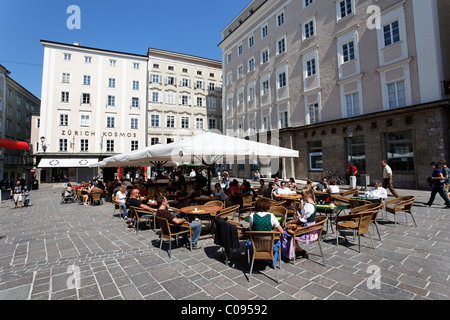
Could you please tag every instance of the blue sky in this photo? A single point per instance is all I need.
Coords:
(187, 26)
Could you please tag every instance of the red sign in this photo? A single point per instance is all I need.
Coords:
(32, 171)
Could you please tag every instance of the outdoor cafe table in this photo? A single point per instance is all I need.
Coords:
(327, 209)
(201, 211)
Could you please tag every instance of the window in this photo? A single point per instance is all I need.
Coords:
(170, 68)
(240, 71)
(358, 154)
(251, 64)
(229, 78)
(211, 102)
(134, 145)
(155, 96)
(62, 145)
(281, 46)
(399, 151)
(352, 104)
(229, 57)
(184, 100)
(84, 120)
(109, 145)
(135, 65)
(265, 123)
(251, 41)
(170, 80)
(265, 56)
(212, 124)
(239, 50)
(155, 66)
(185, 122)
(185, 82)
(135, 85)
(315, 155)
(251, 93)
(345, 8)
(284, 119)
(199, 123)
(311, 67)
(391, 33)
(64, 96)
(87, 59)
(112, 63)
(64, 119)
(308, 29)
(154, 141)
(170, 121)
(265, 87)
(199, 84)
(156, 78)
(111, 101)
(396, 95)
(211, 86)
(86, 98)
(110, 122)
(282, 80)
(264, 32)
(134, 123)
(170, 98)
(307, 3)
(86, 80)
(280, 19)
(84, 145)
(111, 82)
(65, 77)
(348, 51)
(199, 102)
(135, 102)
(154, 120)
(314, 115)
(67, 56)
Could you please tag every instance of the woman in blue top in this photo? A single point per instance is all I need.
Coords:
(438, 185)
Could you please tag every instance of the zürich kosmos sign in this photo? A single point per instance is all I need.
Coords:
(87, 133)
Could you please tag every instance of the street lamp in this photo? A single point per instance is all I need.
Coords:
(44, 147)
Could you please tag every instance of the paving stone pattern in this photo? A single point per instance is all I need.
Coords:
(44, 246)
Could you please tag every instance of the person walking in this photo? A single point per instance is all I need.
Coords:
(437, 179)
(387, 178)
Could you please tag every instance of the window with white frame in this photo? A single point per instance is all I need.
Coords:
(67, 56)
(109, 145)
(135, 85)
(170, 80)
(135, 102)
(251, 41)
(62, 145)
(86, 80)
(112, 63)
(239, 50)
(280, 19)
(185, 82)
(199, 101)
(170, 98)
(212, 102)
(281, 45)
(65, 77)
(199, 123)
(199, 84)
(352, 104)
(396, 94)
(308, 29)
(313, 113)
(344, 8)
(111, 82)
(63, 119)
(307, 3)
(110, 121)
(154, 141)
(136, 65)
(84, 145)
(391, 33)
(265, 87)
(154, 120)
(134, 123)
(87, 59)
(111, 101)
(229, 57)
(212, 123)
(156, 78)
(155, 96)
(284, 119)
(251, 64)
(311, 67)
(251, 92)
(184, 100)
(85, 120)
(265, 123)
(348, 51)
(229, 78)
(65, 96)
(240, 71)
(134, 145)
(170, 121)
(185, 122)
(264, 55)
(282, 81)
(86, 98)
(264, 31)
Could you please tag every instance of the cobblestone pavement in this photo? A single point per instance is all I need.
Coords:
(43, 247)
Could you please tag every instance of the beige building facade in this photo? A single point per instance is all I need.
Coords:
(94, 106)
(184, 95)
(310, 69)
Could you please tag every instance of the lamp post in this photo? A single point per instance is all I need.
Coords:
(44, 147)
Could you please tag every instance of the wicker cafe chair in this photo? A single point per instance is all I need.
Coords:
(401, 204)
(358, 203)
(183, 203)
(116, 207)
(262, 245)
(317, 227)
(375, 208)
(279, 211)
(358, 222)
(247, 202)
(168, 233)
(348, 192)
(96, 198)
(227, 212)
(140, 215)
(215, 203)
(341, 200)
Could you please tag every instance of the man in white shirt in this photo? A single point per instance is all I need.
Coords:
(282, 190)
(192, 174)
(387, 178)
(378, 191)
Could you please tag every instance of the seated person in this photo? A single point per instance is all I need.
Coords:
(333, 188)
(235, 192)
(181, 193)
(378, 191)
(309, 185)
(26, 197)
(322, 185)
(267, 193)
(292, 184)
(246, 188)
(261, 188)
(134, 201)
(68, 191)
(170, 188)
(163, 212)
(218, 192)
(121, 198)
(282, 191)
(96, 189)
